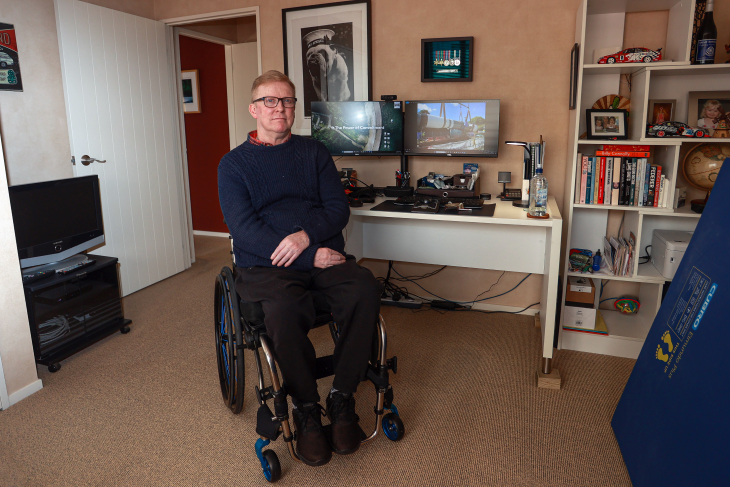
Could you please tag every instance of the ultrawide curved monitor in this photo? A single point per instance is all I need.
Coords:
(55, 220)
(351, 128)
(461, 128)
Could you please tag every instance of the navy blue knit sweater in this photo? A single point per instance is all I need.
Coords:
(269, 192)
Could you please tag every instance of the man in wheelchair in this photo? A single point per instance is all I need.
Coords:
(285, 208)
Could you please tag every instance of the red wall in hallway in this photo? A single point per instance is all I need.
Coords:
(206, 133)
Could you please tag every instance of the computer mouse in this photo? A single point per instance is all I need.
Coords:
(355, 203)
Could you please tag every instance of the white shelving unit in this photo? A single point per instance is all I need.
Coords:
(600, 24)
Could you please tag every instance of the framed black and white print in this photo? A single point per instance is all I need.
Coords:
(327, 55)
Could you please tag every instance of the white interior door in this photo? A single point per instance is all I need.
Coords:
(120, 104)
(245, 71)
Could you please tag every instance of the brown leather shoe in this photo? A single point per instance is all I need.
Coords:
(345, 431)
(312, 446)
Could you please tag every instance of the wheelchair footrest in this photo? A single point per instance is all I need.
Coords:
(266, 425)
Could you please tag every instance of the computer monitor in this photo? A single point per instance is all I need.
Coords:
(54, 220)
(461, 128)
(351, 128)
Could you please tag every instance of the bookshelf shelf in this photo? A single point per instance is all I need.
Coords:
(600, 25)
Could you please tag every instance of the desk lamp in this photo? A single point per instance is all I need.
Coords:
(504, 177)
(525, 202)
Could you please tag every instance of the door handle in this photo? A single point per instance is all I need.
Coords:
(86, 160)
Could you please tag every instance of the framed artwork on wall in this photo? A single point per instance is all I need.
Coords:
(327, 55)
(611, 124)
(447, 59)
(660, 111)
(191, 91)
(705, 107)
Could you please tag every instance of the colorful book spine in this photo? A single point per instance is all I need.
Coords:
(622, 183)
(657, 179)
(632, 186)
(646, 183)
(622, 153)
(589, 181)
(583, 179)
(578, 167)
(596, 165)
(630, 148)
(627, 181)
(601, 180)
(652, 183)
(608, 183)
(639, 196)
(615, 180)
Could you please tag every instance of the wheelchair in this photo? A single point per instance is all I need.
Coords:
(239, 326)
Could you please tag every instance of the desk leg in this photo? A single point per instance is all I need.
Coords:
(547, 376)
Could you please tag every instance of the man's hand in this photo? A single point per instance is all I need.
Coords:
(327, 258)
(290, 248)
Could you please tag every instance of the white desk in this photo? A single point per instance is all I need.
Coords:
(507, 241)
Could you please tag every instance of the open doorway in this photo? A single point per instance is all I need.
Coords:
(217, 60)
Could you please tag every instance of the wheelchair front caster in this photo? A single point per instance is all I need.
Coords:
(125, 330)
(53, 368)
(393, 427)
(271, 466)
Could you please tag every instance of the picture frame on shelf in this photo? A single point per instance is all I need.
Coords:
(191, 91)
(447, 59)
(611, 124)
(702, 106)
(660, 111)
(574, 53)
(327, 55)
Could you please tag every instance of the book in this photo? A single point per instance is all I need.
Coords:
(596, 166)
(667, 191)
(646, 181)
(609, 181)
(656, 181)
(615, 180)
(630, 148)
(622, 153)
(639, 183)
(583, 178)
(601, 179)
(589, 181)
(632, 184)
(622, 183)
(578, 166)
(652, 183)
(662, 190)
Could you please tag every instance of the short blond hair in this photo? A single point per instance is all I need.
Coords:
(271, 76)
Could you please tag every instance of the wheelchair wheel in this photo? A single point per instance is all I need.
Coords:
(393, 427)
(229, 339)
(271, 466)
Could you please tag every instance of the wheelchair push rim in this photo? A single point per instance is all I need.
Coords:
(227, 336)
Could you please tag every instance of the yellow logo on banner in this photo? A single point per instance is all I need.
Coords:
(660, 355)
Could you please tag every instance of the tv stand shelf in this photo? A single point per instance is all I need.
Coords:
(67, 313)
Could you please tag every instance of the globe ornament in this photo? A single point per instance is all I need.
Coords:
(701, 167)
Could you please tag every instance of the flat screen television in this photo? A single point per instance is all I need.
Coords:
(55, 220)
(351, 128)
(461, 128)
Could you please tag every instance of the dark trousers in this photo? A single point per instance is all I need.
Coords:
(354, 296)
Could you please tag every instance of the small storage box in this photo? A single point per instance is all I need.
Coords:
(579, 317)
(586, 295)
(667, 250)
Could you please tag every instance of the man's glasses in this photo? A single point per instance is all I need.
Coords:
(273, 102)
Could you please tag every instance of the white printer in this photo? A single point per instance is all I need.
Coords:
(667, 250)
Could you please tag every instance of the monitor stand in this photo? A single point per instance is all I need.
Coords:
(53, 266)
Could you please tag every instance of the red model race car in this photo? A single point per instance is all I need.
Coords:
(674, 129)
(633, 55)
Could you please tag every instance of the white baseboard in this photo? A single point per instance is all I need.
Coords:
(210, 234)
(26, 391)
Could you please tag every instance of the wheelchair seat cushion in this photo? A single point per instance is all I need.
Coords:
(253, 313)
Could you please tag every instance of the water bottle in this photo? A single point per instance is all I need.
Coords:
(538, 194)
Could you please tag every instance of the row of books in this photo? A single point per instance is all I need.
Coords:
(611, 179)
(618, 255)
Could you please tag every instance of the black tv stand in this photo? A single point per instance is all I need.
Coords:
(67, 313)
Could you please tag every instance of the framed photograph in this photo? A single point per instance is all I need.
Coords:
(706, 106)
(190, 91)
(660, 111)
(574, 74)
(609, 124)
(327, 55)
(447, 59)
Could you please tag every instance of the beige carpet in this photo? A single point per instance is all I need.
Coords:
(145, 408)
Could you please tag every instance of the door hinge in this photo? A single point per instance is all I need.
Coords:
(73, 160)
